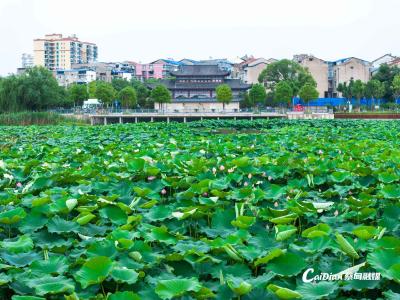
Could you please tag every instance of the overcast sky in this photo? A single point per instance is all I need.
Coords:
(144, 31)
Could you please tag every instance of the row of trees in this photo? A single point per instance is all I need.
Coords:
(373, 89)
(34, 90)
(286, 79)
(129, 93)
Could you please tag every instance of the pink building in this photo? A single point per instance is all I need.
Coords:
(158, 69)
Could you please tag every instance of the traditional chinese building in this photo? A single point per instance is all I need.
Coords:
(193, 88)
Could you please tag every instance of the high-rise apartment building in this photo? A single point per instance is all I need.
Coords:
(57, 52)
(26, 60)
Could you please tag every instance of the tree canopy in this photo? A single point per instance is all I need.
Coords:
(34, 90)
(119, 83)
(396, 86)
(257, 94)
(77, 93)
(283, 92)
(358, 89)
(286, 70)
(127, 96)
(224, 94)
(160, 94)
(308, 92)
(105, 92)
(386, 75)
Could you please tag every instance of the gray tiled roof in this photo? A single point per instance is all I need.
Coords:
(199, 70)
(235, 84)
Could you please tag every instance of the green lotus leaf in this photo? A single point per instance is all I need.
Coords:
(274, 192)
(23, 244)
(243, 222)
(32, 222)
(387, 262)
(388, 177)
(284, 219)
(114, 214)
(59, 225)
(365, 232)
(83, 219)
(391, 295)
(283, 232)
(124, 275)
(284, 293)
(238, 286)
(317, 290)
(15, 297)
(123, 296)
(159, 213)
(12, 216)
(94, 270)
(54, 265)
(271, 255)
(167, 289)
(316, 231)
(340, 177)
(4, 278)
(345, 246)
(287, 264)
(162, 235)
(135, 165)
(52, 285)
(20, 259)
(391, 191)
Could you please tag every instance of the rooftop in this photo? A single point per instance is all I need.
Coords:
(199, 70)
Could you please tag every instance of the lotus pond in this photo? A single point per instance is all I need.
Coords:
(177, 211)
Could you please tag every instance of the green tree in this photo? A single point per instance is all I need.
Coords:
(160, 94)
(77, 93)
(386, 74)
(119, 83)
(92, 89)
(346, 89)
(128, 97)
(286, 70)
(142, 93)
(308, 92)
(9, 94)
(257, 94)
(396, 87)
(283, 93)
(358, 90)
(38, 90)
(105, 92)
(374, 89)
(224, 94)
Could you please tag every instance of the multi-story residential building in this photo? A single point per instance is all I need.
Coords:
(249, 70)
(79, 76)
(57, 52)
(384, 59)
(351, 68)
(158, 69)
(27, 60)
(319, 70)
(193, 88)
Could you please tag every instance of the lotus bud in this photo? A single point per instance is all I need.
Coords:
(336, 213)
(269, 178)
(163, 191)
(245, 183)
(150, 178)
(231, 170)
(19, 184)
(205, 194)
(350, 158)
(249, 176)
(221, 168)
(214, 170)
(350, 193)
(320, 152)
(355, 240)
(264, 174)
(276, 204)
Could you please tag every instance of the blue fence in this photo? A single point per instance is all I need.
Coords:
(340, 101)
